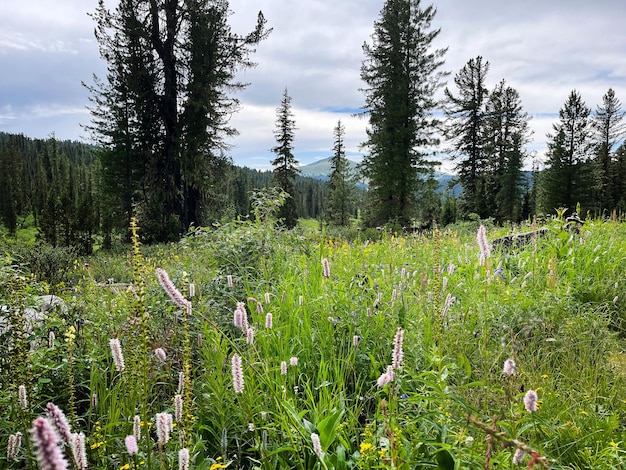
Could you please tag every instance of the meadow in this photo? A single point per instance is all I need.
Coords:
(244, 346)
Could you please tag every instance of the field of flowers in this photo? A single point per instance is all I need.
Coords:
(243, 346)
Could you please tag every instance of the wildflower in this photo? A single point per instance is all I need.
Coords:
(131, 445)
(293, 361)
(268, 321)
(483, 244)
(394, 294)
(510, 367)
(181, 382)
(178, 408)
(317, 445)
(183, 459)
(450, 299)
(325, 268)
(249, 336)
(283, 368)
(51, 339)
(267, 297)
(530, 401)
(192, 290)
(237, 371)
(116, 352)
(355, 341)
(160, 354)
(21, 395)
(48, 452)
(229, 280)
(518, 456)
(163, 427)
(386, 377)
(137, 428)
(240, 317)
(79, 451)
(398, 353)
(365, 446)
(59, 421)
(259, 308)
(264, 415)
(469, 440)
(170, 289)
(251, 427)
(15, 442)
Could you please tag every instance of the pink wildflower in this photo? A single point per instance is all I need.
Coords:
(22, 398)
(137, 428)
(131, 445)
(355, 341)
(59, 421)
(160, 354)
(293, 361)
(483, 244)
(79, 451)
(163, 427)
(178, 408)
(238, 383)
(398, 353)
(249, 336)
(183, 459)
(267, 297)
(317, 445)
(268, 321)
(530, 401)
(519, 455)
(15, 442)
(48, 452)
(171, 290)
(283, 368)
(116, 352)
(510, 367)
(229, 280)
(325, 268)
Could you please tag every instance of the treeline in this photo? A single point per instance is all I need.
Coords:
(58, 183)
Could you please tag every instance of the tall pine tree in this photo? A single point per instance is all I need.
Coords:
(162, 111)
(608, 132)
(400, 71)
(466, 124)
(285, 164)
(569, 177)
(341, 188)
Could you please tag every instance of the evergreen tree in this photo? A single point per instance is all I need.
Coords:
(340, 198)
(162, 112)
(506, 134)
(285, 164)
(400, 71)
(608, 131)
(569, 177)
(10, 186)
(466, 126)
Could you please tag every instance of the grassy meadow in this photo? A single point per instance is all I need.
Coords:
(243, 346)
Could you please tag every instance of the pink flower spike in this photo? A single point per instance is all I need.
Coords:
(268, 321)
(131, 445)
(171, 290)
(293, 361)
(183, 459)
(237, 371)
(48, 452)
(398, 353)
(283, 368)
(317, 445)
(116, 352)
(509, 367)
(160, 354)
(79, 451)
(530, 401)
(325, 268)
(59, 421)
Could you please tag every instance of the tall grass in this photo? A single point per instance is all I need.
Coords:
(316, 368)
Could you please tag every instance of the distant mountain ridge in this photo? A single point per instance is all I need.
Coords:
(321, 170)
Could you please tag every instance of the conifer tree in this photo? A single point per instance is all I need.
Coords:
(161, 114)
(608, 132)
(466, 125)
(569, 177)
(401, 74)
(340, 198)
(285, 164)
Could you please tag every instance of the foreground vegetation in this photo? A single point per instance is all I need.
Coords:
(386, 353)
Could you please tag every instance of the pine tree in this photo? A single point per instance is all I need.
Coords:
(285, 164)
(400, 70)
(608, 131)
(569, 177)
(340, 198)
(466, 126)
(162, 112)
(506, 134)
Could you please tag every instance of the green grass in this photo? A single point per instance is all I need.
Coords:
(557, 307)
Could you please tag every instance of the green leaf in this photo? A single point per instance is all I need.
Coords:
(445, 461)
(327, 428)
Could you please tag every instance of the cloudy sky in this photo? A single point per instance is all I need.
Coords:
(542, 48)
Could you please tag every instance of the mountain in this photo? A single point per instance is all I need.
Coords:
(321, 170)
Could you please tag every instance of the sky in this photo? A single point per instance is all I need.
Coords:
(543, 48)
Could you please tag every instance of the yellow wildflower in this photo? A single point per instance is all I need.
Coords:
(365, 446)
(125, 467)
